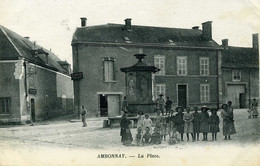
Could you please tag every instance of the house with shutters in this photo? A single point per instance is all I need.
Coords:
(34, 83)
(240, 72)
(189, 59)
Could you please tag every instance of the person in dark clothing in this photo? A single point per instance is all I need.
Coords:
(83, 116)
(179, 121)
(214, 124)
(125, 132)
(196, 123)
(168, 105)
(204, 122)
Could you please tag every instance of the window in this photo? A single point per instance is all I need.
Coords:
(204, 93)
(109, 69)
(5, 105)
(204, 66)
(159, 62)
(160, 89)
(182, 65)
(236, 75)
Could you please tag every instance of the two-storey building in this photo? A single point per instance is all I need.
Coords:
(189, 60)
(34, 83)
(240, 70)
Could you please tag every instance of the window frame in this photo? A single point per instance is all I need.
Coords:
(204, 69)
(8, 105)
(183, 66)
(236, 71)
(159, 57)
(109, 59)
(158, 93)
(203, 95)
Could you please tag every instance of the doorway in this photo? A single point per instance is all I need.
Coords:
(182, 96)
(33, 110)
(103, 105)
(242, 100)
(113, 101)
(235, 95)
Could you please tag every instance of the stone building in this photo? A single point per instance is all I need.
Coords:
(189, 60)
(240, 72)
(34, 83)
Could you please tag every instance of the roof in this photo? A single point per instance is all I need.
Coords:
(240, 57)
(14, 46)
(115, 33)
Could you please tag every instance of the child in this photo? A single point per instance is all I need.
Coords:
(249, 113)
(213, 124)
(163, 129)
(188, 124)
(125, 131)
(139, 135)
(156, 138)
(204, 125)
(147, 136)
(196, 124)
(147, 122)
(179, 121)
(158, 120)
(174, 139)
(170, 122)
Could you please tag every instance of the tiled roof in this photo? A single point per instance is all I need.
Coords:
(240, 57)
(115, 33)
(13, 46)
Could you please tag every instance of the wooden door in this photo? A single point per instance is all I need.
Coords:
(113, 105)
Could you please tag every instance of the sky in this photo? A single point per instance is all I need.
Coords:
(51, 23)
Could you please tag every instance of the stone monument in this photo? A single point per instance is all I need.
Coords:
(139, 86)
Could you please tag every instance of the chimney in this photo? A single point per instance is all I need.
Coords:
(207, 30)
(47, 58)
(195, 27)
(128, 23)
(83, 21)
(225, 43)
(255, 41)
(27, 37)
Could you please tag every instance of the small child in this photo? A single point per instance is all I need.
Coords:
(175, 138)
(147, 122)
(163, 129)
(214, 124)
(147, 136)
(249, 113)
(139, 135)
(156, 138)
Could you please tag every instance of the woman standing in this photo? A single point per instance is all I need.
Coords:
(188, 124)
(228, 122)
(179, 121)
(125, 132)
(204, 122)
(196, 123)
(254, 108)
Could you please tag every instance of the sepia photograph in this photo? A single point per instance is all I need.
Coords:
(119, 82)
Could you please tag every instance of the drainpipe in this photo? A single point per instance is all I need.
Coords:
(249, 89)
(217, 81)
(25, 79)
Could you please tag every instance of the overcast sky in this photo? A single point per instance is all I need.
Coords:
(51, 23)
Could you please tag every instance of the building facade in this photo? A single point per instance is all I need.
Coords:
(35, 83)
(240, 72)
(189, 60)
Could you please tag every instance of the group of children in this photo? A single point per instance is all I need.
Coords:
(176, 124)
